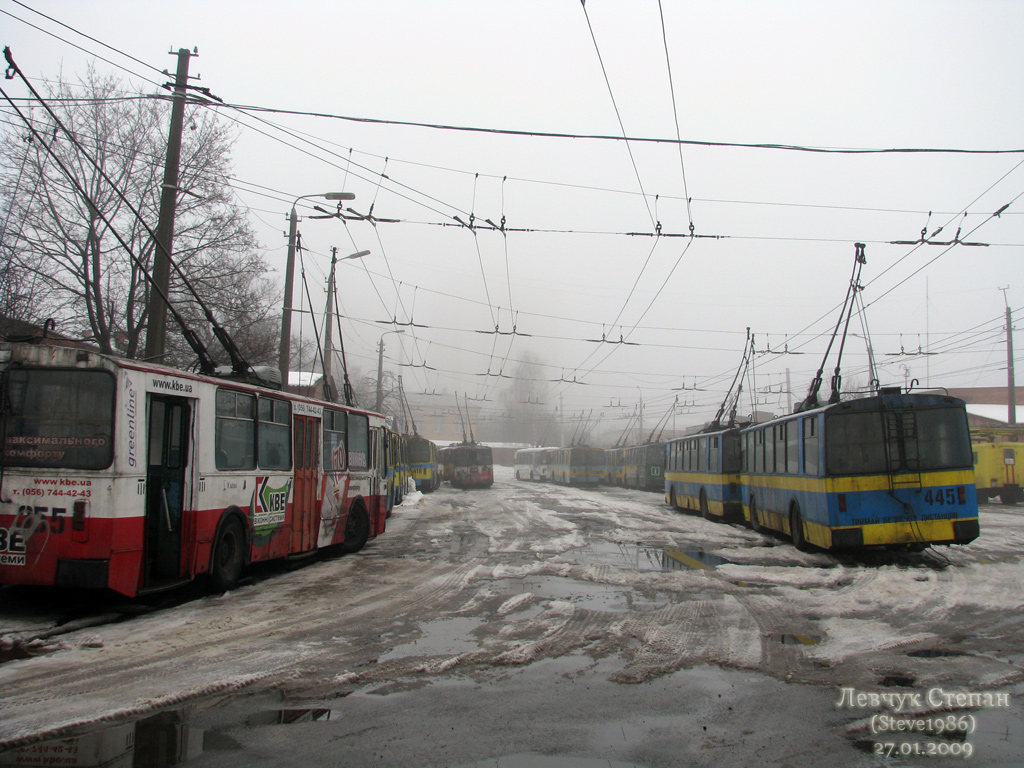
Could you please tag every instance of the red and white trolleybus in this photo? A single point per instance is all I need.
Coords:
(136, 477)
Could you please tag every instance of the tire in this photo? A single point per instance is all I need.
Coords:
(357, 530)
(705, 511)
(796, 528)
(754, 524)
(228, 557)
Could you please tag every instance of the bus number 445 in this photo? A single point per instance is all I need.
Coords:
(940, 496)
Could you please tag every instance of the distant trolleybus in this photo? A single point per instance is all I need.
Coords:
(423, 463)
(533, 464)
(891, 469)
(136, 477)
(577, 465)
(467, 465)
(702, 473)
(644, 466)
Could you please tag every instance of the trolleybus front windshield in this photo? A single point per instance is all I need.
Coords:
(419, 451)
(914, 440)
(59, 418)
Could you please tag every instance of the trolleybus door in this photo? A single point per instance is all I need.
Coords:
(307, 459)
(170, 420)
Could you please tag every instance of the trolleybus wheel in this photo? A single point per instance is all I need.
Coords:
(796, 528)
(672, 499)
(755, 525)
(705, 511)
(228, 557)
(357, 530)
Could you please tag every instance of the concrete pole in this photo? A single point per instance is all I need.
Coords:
(329, 390)
(156, 324)
(284, 348)
(380, 375)
(284, 353)
(1011, 389)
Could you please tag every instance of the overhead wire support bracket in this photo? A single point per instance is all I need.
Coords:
(926, 239)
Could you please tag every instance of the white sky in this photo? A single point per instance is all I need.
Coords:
(817, 74)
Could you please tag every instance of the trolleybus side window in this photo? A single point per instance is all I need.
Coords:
(713, 453)
(810, 429)
(235, 436)
(358, 441)
(275, 434)
(335, 440)
(793, 447)
(779, 438)
(59, 418)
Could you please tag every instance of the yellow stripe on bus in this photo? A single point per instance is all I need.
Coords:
(859, 483)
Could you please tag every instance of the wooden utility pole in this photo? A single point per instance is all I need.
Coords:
(156, 327)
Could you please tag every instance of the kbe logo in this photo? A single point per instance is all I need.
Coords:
(274, 499)
(269, 505)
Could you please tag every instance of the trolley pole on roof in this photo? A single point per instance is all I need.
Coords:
(156, 325)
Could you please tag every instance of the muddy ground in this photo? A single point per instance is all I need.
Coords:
(534, 626)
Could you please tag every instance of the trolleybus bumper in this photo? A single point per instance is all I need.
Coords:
(85, 574)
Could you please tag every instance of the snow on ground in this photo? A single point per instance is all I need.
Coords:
(467, 583)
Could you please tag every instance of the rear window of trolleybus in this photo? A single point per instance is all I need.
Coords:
(59, 418)
(917, 440)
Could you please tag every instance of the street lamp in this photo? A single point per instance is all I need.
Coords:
(329, 391)
(283, 362)
(380, 371)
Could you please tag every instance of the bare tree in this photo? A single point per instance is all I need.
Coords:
(65, 254)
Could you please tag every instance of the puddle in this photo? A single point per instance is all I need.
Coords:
(931, 653)
(897, 681)
(163, 739)
(628, 556)
(693, 559)
(530, 760)
(798, 639)
(636, 557)
(589, 595)
(444, 637)
(288, 716)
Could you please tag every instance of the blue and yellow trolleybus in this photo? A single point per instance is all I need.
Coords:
(576, 465)
(644, 466)
(890, 469)
(423, 463)
(702, 473)
(533, 464)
